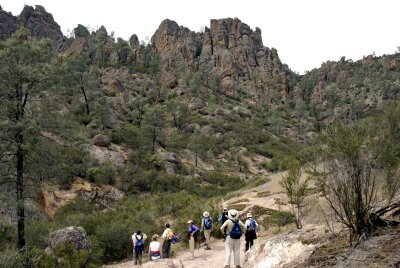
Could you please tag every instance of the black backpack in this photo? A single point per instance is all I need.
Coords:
(139, 245)
(236, 231)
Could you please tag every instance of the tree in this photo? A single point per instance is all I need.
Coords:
(349, 178)
(153, 123)
(25, 67)
(102, 112)
(137, 107)
(296, 190)
(78, 72)
(179, 112)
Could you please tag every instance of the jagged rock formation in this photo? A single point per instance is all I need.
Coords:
(229, 46)
(8, 24)
(37, 20)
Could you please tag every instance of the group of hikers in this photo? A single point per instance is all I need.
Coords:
(232, 229)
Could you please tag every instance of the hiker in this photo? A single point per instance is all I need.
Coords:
(167, 236)
(251, 226)
(193, 232)
(206, 226)
(235, 228)
(221, 219)
(138, 246)
(154, 248)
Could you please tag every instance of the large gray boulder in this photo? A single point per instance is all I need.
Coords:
(70, 235)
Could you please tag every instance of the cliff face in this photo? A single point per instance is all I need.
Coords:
(230, 47)
(39, 23)
(228, 43)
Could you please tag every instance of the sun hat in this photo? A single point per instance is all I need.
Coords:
(233, 214)
(206, 214)
(249, 215)
(225, 209)
(190, 221)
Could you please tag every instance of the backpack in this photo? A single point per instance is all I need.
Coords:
(252, 226)
(139, 245)
(208, 223)
(170, 234)
(174, 239)
(236, 231)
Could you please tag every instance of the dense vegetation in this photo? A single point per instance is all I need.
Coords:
(52, 106)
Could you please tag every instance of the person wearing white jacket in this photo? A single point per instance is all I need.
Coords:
(232, 242)
(138, 246)
(250, 235)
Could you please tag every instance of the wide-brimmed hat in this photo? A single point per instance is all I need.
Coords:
(206, 214)
(190, 221)
(233, 214)
(249, 215)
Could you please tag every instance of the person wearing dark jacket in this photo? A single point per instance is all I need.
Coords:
(221, 219)
(250, 234)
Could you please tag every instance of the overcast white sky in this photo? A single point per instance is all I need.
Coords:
(305, 32)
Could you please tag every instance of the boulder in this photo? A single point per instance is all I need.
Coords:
(70, 235)
(196, 104)
(228, 85)
(169, 80)
(101, 140)
(190, 128)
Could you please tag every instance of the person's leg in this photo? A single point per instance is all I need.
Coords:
(136, 257)
(207, 234)
(236, 251)
(247, 244)
(251, 242)
(140, 256)
(191, 246)
(165, 250)
(228, 253)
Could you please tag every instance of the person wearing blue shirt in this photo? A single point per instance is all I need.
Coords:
(193, 232)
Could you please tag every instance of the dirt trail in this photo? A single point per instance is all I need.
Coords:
(216, 256)
(203, 258)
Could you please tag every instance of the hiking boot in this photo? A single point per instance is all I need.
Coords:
(207, 248)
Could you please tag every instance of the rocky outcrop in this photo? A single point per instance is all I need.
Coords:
(70, 235)
(40, 23)
(8, 24)
(101, 140)
(229, 46)
(37, 20)
(51, 197)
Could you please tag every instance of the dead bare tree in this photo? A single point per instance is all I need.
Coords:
(351, 178)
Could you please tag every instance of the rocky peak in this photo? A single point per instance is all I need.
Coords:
(230, 47)
(40, 23)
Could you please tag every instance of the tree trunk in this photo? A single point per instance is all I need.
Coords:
(86, 99)
(20, 190)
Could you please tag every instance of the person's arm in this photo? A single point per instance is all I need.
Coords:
(133, 239)
(247, 224)
(144, 237)
(242, 226)
(202, 225)
(223, 226)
